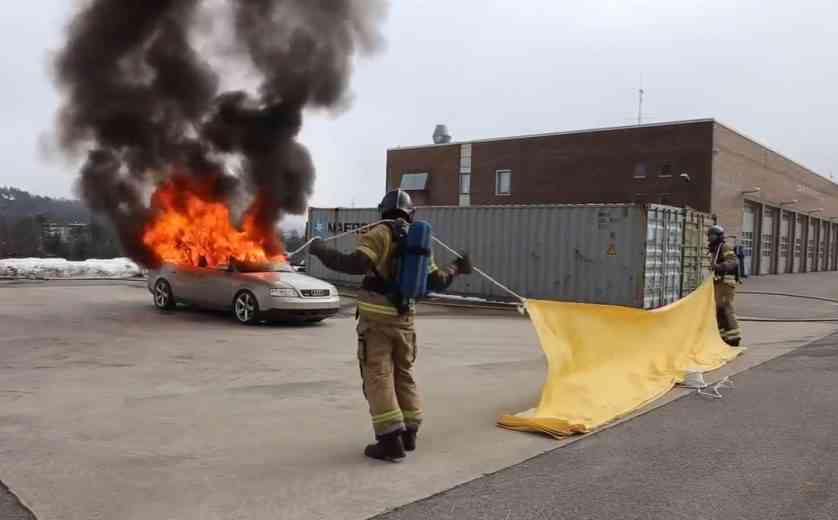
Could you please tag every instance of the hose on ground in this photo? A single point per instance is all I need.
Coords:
(789, 320)
(788, 295)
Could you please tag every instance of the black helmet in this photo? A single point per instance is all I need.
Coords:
(716, 233)
(397, 204)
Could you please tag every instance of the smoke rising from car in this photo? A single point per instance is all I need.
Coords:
(142, 101)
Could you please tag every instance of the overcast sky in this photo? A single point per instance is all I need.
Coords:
(493, 68)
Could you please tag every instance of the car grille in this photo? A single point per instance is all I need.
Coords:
(315, 293)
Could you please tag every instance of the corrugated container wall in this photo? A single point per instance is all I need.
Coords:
(612, 254)
(696, 263)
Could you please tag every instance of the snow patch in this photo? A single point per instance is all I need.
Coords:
(61, 268)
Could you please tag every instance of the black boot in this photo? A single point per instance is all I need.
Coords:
(389, 447)
(733, 342)
(409, 439)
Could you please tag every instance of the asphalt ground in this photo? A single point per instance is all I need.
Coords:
(112, 409)
(767, 450)
(10, 506)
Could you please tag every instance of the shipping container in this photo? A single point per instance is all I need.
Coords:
(696, 262)
(619, 254)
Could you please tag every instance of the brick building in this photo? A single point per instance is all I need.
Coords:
(777, 209)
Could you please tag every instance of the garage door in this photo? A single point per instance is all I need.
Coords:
(834, 248)
(811, 245)
(747, 241)
(797, 250)
(823, 258)
(784, 266)
(766, 245)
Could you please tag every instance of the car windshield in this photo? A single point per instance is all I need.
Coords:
(262, 267)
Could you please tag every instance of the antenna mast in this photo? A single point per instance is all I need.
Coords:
(640, 93)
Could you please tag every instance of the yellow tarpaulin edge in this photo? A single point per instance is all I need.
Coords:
(605, 362)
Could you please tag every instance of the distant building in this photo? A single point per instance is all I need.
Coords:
(779, 211)
(65, 232)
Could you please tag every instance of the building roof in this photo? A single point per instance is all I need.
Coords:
(551, 134)
(611, 129)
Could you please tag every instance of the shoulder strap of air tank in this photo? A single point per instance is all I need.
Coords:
(376, 282)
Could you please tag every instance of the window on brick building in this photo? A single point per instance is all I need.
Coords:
(666, 170)
(665, 199)
(640, 170)
(414, 181)
(465, 158)
(465, 183)
(503, 182)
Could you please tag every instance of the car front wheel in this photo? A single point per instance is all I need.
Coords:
(163, 297)
(246, 308)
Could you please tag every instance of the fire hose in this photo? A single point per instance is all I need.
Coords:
(435, 239)
(790, 320)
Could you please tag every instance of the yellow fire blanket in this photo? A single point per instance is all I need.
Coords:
(604, 362)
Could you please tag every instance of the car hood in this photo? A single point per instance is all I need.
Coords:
(296, 280)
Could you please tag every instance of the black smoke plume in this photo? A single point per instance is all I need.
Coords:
(142, 102)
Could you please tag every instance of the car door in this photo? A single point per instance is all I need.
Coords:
(217, 287)
(184, 279)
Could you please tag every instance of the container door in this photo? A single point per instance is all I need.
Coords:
(748, 238)
(811, 245)
(664, 239)
(797, 252)
(823, 258)
(674, 256)
(767, 243)
(696, 261)
(784, 266)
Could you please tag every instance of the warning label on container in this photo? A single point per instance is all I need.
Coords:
(612, 250)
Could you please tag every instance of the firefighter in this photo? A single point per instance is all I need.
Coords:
(385, 328)
(725, 277)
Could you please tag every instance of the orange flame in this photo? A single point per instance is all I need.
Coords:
(191, 228)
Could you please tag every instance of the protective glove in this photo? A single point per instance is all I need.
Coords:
(464, 265)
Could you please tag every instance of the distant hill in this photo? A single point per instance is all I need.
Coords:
(26, 228)
(15, 204)
(24, 231)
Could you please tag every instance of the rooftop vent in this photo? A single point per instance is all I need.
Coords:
(441, 135)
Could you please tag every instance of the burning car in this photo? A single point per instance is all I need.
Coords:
(253, 291)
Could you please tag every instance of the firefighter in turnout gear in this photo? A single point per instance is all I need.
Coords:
(386, 332)
(725, 267)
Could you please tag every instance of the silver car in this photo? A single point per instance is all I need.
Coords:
(253, 292)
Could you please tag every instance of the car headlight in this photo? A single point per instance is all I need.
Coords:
(284, 293)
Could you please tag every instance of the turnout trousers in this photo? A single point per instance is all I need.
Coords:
(386, 355)
(726, 313)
